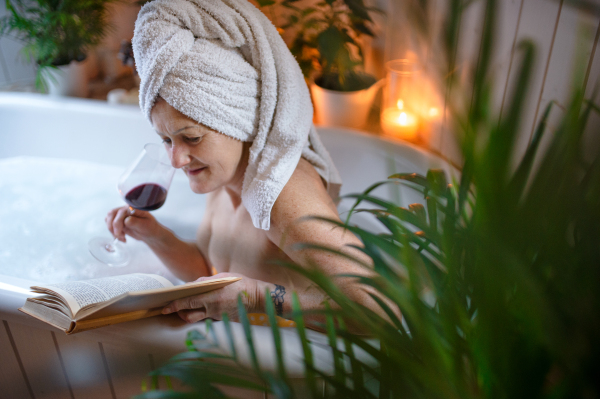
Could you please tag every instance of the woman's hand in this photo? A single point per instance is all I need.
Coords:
(213, 304)
(140, 225)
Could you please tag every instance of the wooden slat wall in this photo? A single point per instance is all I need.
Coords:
(564, 37)
(592, 83)
(37, 363)
(14, 382)
(84, 367)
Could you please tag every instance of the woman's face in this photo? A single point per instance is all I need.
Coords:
(209, 159)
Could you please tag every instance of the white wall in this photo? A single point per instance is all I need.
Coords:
(13, 68)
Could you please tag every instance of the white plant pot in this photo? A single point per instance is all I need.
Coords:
(68, 80)
(343, 108)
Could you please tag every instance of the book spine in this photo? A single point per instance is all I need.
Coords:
(84, 325)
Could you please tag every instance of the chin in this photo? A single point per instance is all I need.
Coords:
(202, 187)
(199, 189)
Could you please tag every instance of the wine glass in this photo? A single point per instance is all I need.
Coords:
(144, 186)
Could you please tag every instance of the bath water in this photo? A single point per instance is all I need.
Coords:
(50, 208)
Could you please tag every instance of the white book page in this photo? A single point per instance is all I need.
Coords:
(80, 294)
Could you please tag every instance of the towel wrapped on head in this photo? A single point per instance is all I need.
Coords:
(223, 64)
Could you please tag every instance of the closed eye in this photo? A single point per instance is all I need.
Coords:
(166, 140)
(193, 140)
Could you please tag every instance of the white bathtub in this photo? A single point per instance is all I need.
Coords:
(72, 150)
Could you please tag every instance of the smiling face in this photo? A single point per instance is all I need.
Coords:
(209, 159)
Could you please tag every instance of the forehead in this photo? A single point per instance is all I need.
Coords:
(166, 119)
(164, 112)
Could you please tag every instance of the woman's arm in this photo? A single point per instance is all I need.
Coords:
(183, 259)
(304, 196)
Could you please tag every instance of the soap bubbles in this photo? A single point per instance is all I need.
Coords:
(49, 209)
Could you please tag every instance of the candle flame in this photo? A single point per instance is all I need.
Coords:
(400, 104)
(433, 112)
(403, 119)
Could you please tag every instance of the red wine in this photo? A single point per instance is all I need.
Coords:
(146, 197)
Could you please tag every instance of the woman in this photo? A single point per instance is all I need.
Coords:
(223, 92)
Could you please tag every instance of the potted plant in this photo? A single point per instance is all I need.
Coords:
(58, 36)
(326, 42)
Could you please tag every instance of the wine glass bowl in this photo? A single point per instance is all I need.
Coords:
(143, 186)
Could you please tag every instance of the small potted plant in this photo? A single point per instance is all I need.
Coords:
(326, 42)
(58, 36)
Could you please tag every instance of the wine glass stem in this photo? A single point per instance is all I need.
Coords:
(111, 247)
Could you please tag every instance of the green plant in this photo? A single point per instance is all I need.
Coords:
(55, 32)
(496, 274)
(326, 40)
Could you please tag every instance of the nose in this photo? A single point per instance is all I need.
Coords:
(179, 156)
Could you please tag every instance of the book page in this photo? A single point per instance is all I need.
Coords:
(79, 294)
(158, 298)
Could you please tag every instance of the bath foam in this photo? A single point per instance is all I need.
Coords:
(50, 208)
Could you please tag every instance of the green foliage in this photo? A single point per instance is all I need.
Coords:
(55, 32)
(496, 275)
(326, 40)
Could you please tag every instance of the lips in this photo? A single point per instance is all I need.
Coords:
(194, 172)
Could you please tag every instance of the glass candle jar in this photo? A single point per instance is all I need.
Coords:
(403, 101)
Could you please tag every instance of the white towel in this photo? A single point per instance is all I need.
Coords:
(223, 64)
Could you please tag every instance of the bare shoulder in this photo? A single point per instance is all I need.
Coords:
(304, 195)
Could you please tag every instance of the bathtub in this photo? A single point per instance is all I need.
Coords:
(59, 161)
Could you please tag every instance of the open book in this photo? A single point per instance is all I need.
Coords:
(77, 306)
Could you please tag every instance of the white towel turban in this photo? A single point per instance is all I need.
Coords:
(223, 64)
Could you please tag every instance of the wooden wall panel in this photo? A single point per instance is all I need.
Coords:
(566, 70)
(592, 134)
(128, 367)
(539, 22)
(431, 56)
(84, 366)
(41, 362)
(506, 45)
(592, 77)
(13, 380)
(467, 55)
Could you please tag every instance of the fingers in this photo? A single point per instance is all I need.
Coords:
(189, 309)
(118, 223)
(110, 218)
(208, 305)
(193, 315)
(192, 302)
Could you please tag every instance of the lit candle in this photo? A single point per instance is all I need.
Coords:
(400, 123)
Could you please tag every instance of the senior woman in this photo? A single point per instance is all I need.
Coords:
(230, 103)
